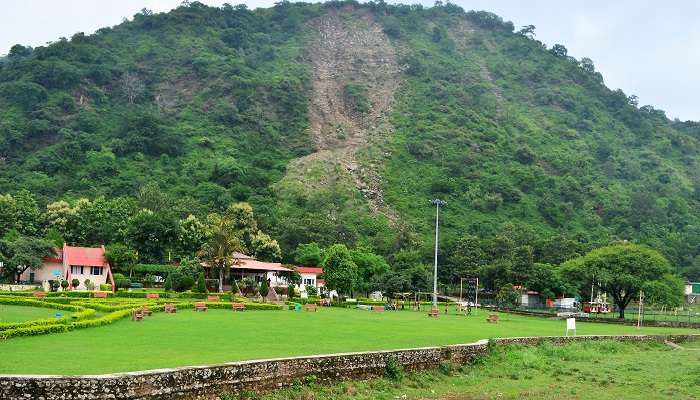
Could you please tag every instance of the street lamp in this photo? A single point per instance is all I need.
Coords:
(437, 203)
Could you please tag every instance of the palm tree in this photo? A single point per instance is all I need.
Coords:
(221, 245)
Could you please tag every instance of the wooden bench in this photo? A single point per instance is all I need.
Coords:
(311, 307)
(200, 306)
(213, 298)
(99, 295)
(136, 315)
(146, 311)
(492, 318)
(434, 312)
(39, 294)
(378, 308)
(152, 296)
(169, 308)
(238, 307)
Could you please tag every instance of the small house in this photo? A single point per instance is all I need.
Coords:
(70, 263)
(310, 276)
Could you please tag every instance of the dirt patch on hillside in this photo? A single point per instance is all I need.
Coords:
(355, 76)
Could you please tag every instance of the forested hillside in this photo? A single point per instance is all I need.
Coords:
(338, 122)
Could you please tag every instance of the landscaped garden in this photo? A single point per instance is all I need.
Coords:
(114, 343)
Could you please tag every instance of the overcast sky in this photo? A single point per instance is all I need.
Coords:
(646, 48)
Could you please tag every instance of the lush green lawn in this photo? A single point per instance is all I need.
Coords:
(582, 371)
(216, 336)
(10, 313)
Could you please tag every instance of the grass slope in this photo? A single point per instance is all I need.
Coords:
(23, 313)
(218, 336)
(596, 371)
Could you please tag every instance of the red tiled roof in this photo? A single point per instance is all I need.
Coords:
(259, 265)
(309, 270)
(87, 256)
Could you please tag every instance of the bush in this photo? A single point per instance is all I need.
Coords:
(64, 284)
(291, 291)
(181, 282)
(394, 370)
(149, 281)
(105, 287)
(122, 281)
(89, 285)
(168, 283)
(75, 282)
(311, 290)
(201, 283)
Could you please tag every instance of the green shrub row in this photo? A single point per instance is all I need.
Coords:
(34, 330)
(20, 301)
(111, 307)
(49, 294)
(38, 322)
(248, 306)
(105, 320)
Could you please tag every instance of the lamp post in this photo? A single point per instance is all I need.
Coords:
(437, 203)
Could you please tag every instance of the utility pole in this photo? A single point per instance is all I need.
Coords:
(437, 203)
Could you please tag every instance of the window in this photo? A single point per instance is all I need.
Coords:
(76, 269)
(95, 270)
(308, 281)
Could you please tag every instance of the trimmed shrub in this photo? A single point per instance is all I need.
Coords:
(264, 289)
(201, 283)
(105, 287)
(89, 285)
(121, 281)
(75, 282)
(168, 283)
(34, 330)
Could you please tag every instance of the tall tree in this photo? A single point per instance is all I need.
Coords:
(20, 253)
(339, 270)
(622, 270)
(221, 244)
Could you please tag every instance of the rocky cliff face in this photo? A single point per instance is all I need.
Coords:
(355, 77)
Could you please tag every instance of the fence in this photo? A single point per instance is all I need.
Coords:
(689, 315)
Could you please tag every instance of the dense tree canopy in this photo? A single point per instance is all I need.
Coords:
(623, 270)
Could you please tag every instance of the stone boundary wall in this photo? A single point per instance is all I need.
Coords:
(207, 382)
(630, 322)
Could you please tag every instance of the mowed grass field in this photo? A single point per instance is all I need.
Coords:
(10, 313)
(577, 371)
(217, 336)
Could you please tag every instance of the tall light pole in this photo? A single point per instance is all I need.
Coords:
(437, 203)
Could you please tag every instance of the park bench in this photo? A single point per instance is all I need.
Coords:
(136, 315)
(238, 307)
(213, 298)
(39, 294)
(152, 295)
(146, 311)
(492, 318)
(99, 295)
(378, 308)
(170, 308)
(200, 306)
(434, 312)
(311, 307)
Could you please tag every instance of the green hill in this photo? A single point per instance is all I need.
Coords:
(339, 121)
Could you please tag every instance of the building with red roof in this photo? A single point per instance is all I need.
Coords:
(72, 262)
(245, 266)
(310, 276)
